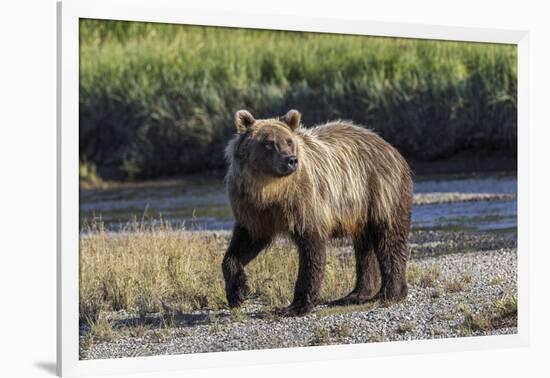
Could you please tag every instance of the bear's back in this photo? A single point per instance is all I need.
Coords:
(355, 173)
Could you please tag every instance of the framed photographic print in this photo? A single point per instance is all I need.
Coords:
(279, 189)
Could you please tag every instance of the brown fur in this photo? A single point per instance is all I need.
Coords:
(348, 182)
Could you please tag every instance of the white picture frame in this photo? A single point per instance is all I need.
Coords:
(172, 11)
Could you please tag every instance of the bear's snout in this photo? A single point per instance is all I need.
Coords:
(292, 162)
(285, 165)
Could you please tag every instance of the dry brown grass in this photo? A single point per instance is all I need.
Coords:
(152, 269)
(405, 327)
(135, 270)
(342, 331)
(455, 285)
(145, 269)
(423, 277)
(458, 284)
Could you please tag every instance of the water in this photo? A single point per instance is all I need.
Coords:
(201, 203)
(475, 215)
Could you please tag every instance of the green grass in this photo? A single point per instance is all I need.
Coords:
(87, 173)
(158, 99)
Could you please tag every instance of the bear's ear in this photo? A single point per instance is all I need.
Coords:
(292, 119)
(243, 121)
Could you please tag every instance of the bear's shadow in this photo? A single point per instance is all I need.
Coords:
(176, 320)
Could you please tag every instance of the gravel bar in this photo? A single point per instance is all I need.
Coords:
(447, 197)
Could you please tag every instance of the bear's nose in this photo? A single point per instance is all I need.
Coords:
(292, 162)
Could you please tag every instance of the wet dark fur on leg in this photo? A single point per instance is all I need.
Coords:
(381, 256)
(392, 253)
(242, 249)
(368, 279)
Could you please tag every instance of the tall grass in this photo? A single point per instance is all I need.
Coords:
(158, 99)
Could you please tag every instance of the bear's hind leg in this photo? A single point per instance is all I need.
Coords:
(367, 273)
(242, 249)
(390, 246)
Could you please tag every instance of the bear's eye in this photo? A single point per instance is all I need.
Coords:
(268, 145)
(289, 142)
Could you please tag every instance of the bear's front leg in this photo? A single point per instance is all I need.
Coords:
(242, 249)
(312, 259)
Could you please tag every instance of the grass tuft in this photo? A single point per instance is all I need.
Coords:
(423, 277)
(102, 330)
(342, 331)
(500, 314)
(458, 284)
(377, 338)
(455, 285)
(321, 336)
(405, 327)
(238, 315)
(435, 293)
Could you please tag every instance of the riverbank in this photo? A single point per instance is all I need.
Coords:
(461, 284)
(163, 109)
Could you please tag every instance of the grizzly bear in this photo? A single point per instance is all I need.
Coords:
(313, 184)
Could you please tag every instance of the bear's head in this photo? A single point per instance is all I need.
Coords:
(266, 146)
